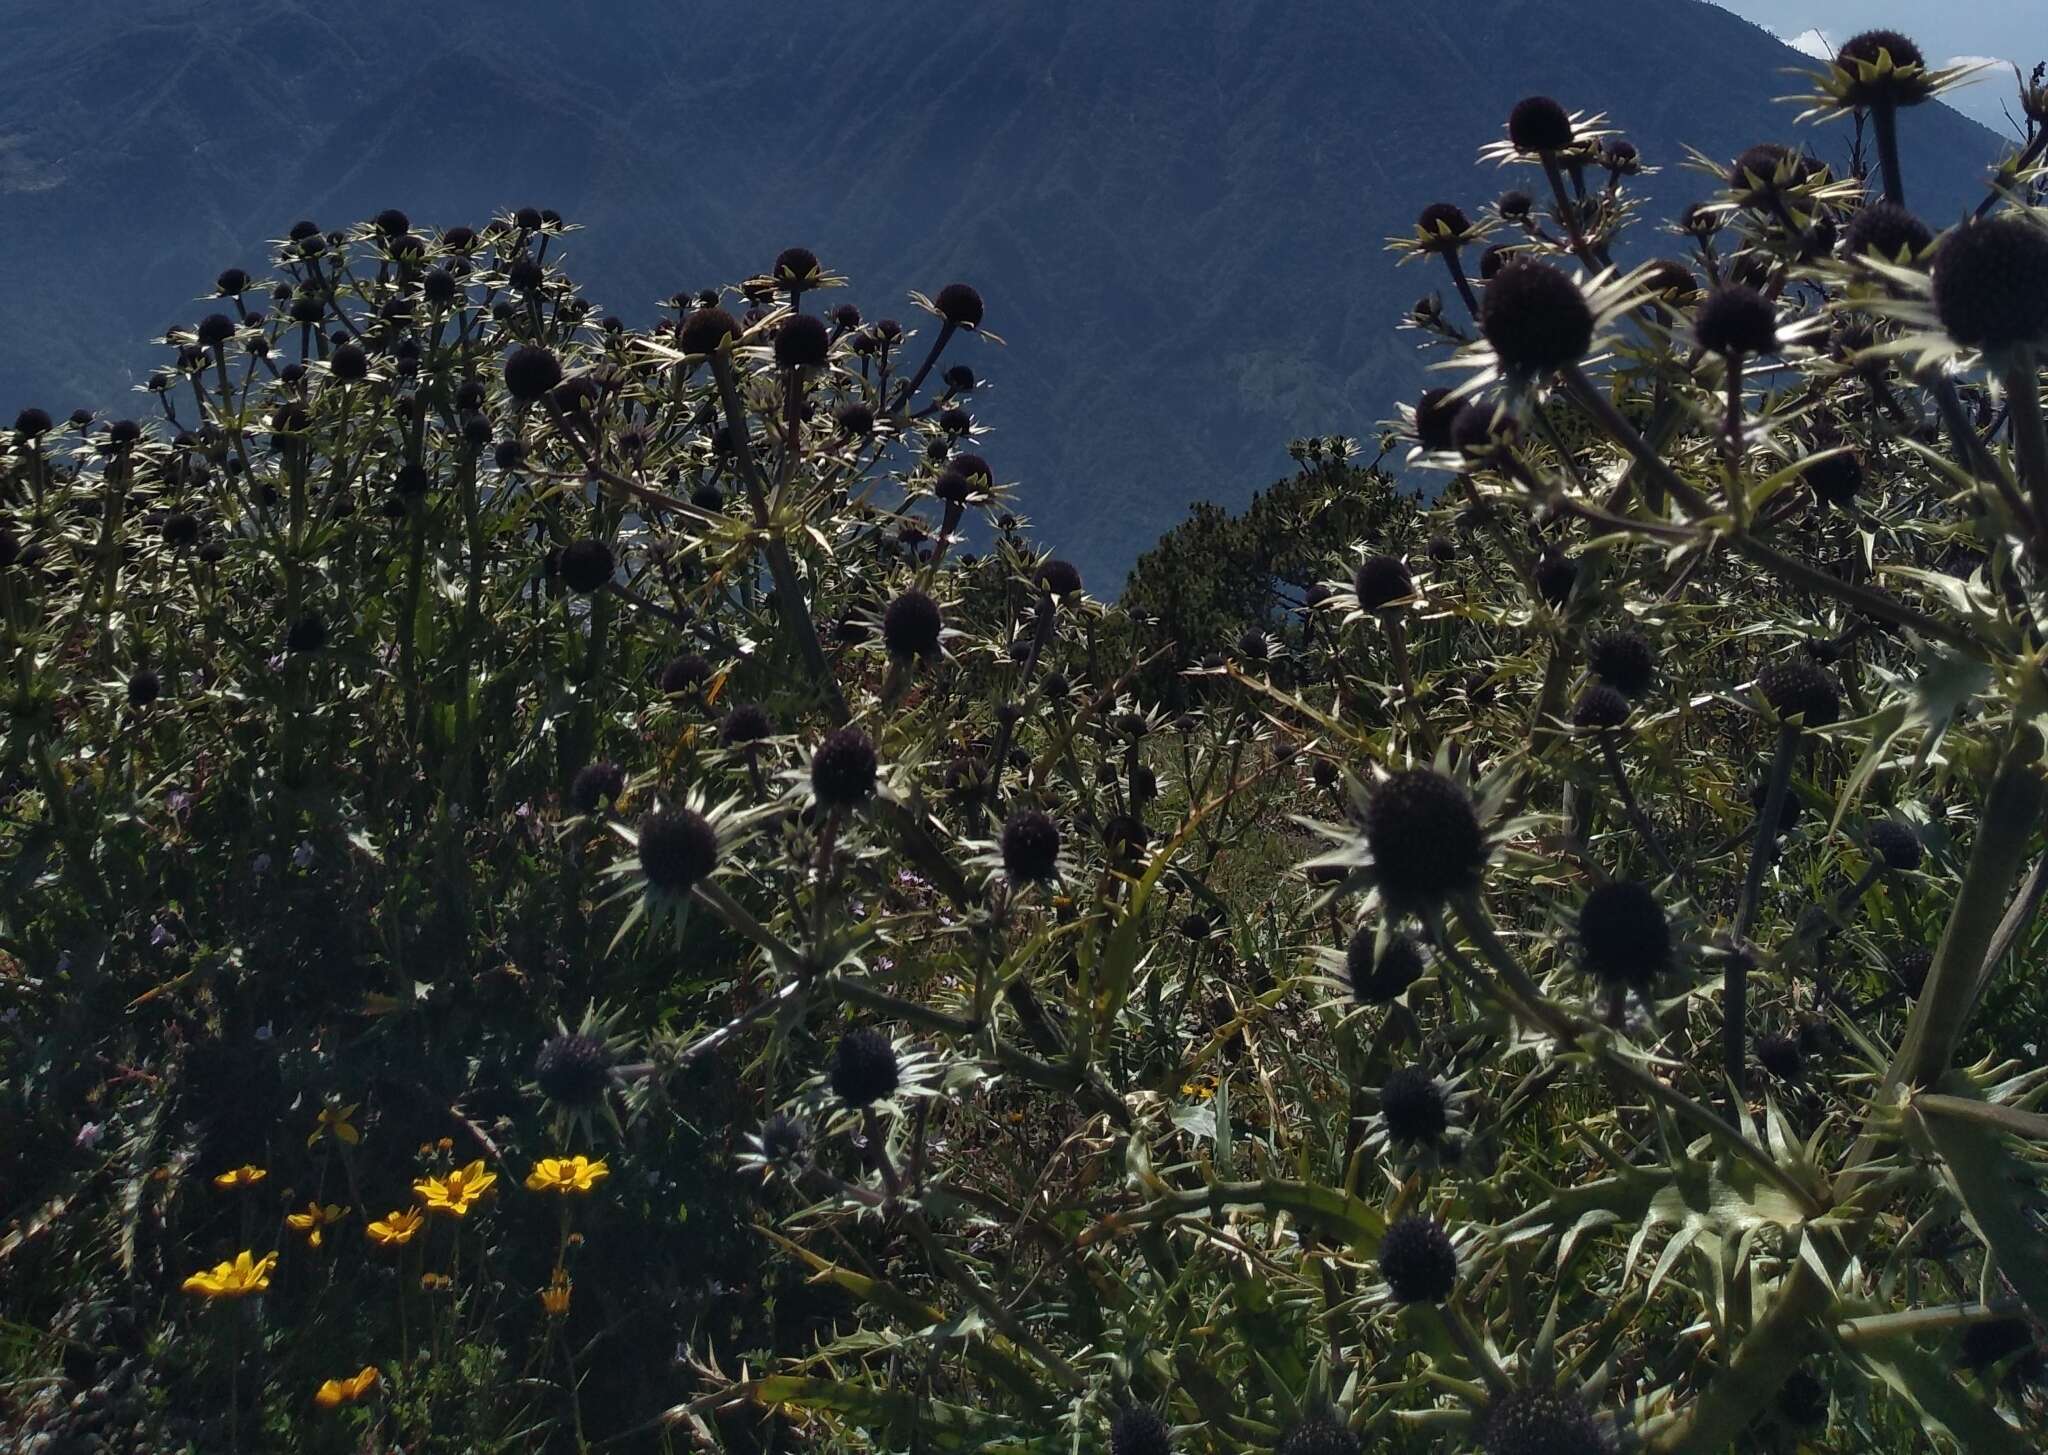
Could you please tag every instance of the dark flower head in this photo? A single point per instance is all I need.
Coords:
(1380, 581)
(307, 634)
(1443, 226)
(1539, 124)
(1911, 965)
(1318, 1433)
(1991, 283)
(144, 687)
(586, 565)
(476, 431)
(1441, 549)
(1061, 578)
(1434, 412)
(1031, 846)
(527, 219)
(392, 223)
(864, 1067)
(1418, 1261)
(1253, 645)
(1670, 278)
(1756, 174)
(782, 1138)
(844, 768)
(975, 468)
(596, 784)
(1781, 1056)
(1836, 479)
(846, 316)
(960, 305)
(181, 530)
(803, 342)
(1799, 689)
(1381, 978)
(1624, 660)
(1536, 318)
(124, 432)
(678, 849)
(1481, 429)
(956, 421)
(1736, 320)
(1887, 87)
(855, 418)
(1624, 935)
(530, 372)
(1896, 844)
(744, 725)
(1425, 838)
(1540, 1422)
(706, 330)
(1138, 1430)
(687, 672)
(1493, 260)
(215, 329)
(796, 265)
(1056, 686)
(439, 286)
(1600, 707)
(1886, 230)
(911, 625)
(574, 1070)
(1556, 575)
(411, 481)
(1514, 203)
(509, 454)
(459, 239)
(1414, 1105)
(708, 497)
(1195, 925)
(960, 379)
(32, 423)
(349, 363)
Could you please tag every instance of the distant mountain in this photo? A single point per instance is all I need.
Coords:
(1175, 208)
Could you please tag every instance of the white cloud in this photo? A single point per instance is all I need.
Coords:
(1814, 42)
(1996, 63)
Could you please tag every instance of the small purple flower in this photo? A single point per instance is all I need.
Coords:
(263, 1032)
(259, 864)
(89, 1135)
(160, 935)
(178, 801)
(302, 856)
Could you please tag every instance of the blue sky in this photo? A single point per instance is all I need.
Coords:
(2011, 30)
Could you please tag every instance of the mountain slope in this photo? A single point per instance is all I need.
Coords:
(1176, 210)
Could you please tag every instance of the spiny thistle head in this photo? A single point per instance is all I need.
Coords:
(1874, 83)
(1320, 1432)
(1556, 575)
(32, 423)
(573, 1069)
(864, 1067)
(1836, 479)
(1061, 578)
(144, 687)
(1540, 1422)
(1799, 689)
(1736, 320)
(1600, 707)
(586, 564)
(1380, 979)
(747, 723)
(844, 768)
(1425, 838)
(1380, 581)
(1443, 226)
(1539, 124)
(1031, 846)
(1624, 660)
(911, 626)
(678, 849)
(803, 342)
(1624, 934)
(1896, 844)
(1418, 1261)
(1782, 1056)
(1138, 1430)
(393, 223)
(1536, 318)
(960, 305)
(685, 672)
(1415, 1105)
(1911, 965)
(1434, 412)
(796, 265)
(595, 785)
(706, 330)
(1991, 282)
(1755, 174)
(1885, 230)
(530, 372)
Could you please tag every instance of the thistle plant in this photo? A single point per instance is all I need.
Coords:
(1542, 969)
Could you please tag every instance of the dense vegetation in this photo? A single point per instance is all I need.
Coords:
(552, 901)
(1183, 248)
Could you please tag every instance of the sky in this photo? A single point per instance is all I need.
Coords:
(2006, 30)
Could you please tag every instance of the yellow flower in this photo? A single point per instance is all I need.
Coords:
(555, 1297)
(435, 1282)
(455, 1193)
(395, 1229)
(335, 1119)
(566, 1175)
(247, 1274)
(240, 1177)
(334, 1392)
(313, 1219)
